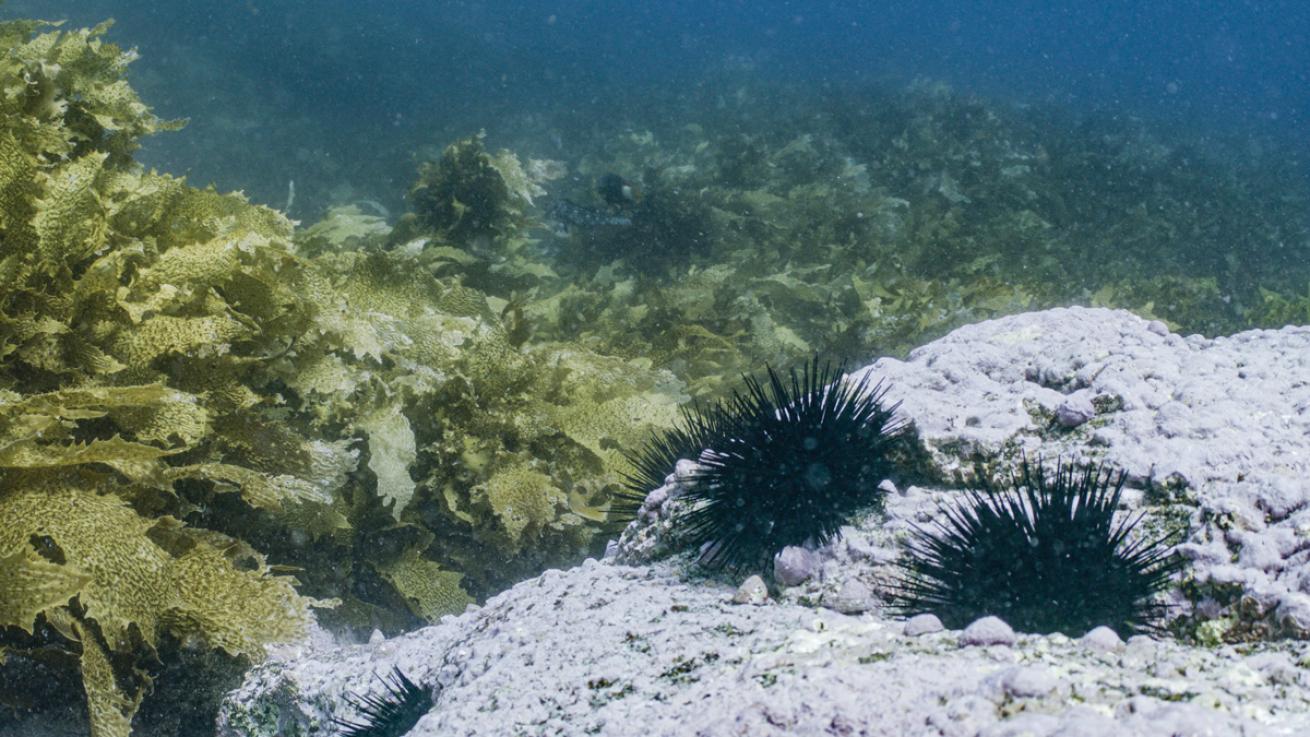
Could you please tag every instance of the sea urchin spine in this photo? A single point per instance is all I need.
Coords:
(1044, 553)
(390, 714)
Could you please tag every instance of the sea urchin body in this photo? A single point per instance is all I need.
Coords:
(785, 463)
(1044, 553)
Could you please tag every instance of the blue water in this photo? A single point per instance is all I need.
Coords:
(289, 89)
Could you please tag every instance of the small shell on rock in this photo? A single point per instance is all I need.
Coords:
(988, 631)
(752, 591)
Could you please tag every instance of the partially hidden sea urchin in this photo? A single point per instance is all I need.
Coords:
(390, 714)
(1043, 553)
(787, 462)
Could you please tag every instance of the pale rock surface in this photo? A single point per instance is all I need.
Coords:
(614, 650)
(988, 631)
(1103, 639)
(752, 591)
(922, 624)
(794, 565)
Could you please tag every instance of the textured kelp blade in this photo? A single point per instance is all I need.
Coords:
(129, 586)
(113, 451)
(260, 490)
(33, 585)
(36, 430)
(392, 450)
(91, 402)
(137, 585)
(111, 710)
(430, 591)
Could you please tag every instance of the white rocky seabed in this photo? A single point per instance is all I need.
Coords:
(1215, 437)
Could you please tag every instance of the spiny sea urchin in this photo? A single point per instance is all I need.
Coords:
(784, 463)
(697, 429)
(390, 714)
(1043, 553)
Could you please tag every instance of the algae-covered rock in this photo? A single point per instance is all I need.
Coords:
(671, 657)
(470, 195)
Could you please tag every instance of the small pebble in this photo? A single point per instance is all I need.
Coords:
(1102, 639)
(887, 487)
(683, 470)
(988, 631)
(1084, 721)
(1142, 642)
(854, 597)
(794, 565)
(1157, 327)
(752, 591)
(1075, 410)
(657, 497)
(923, 624)
(1029, 682)
(1024, 724)
(1276, 668)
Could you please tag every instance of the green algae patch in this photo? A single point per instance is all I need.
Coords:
(134, 312)
(867, 222)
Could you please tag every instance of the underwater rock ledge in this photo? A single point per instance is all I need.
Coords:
(1215, 438)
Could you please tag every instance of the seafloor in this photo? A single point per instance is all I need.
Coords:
(222, 430)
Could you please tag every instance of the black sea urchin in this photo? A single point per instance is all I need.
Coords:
(1044, 554)
(782, 465)
(390, 714)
